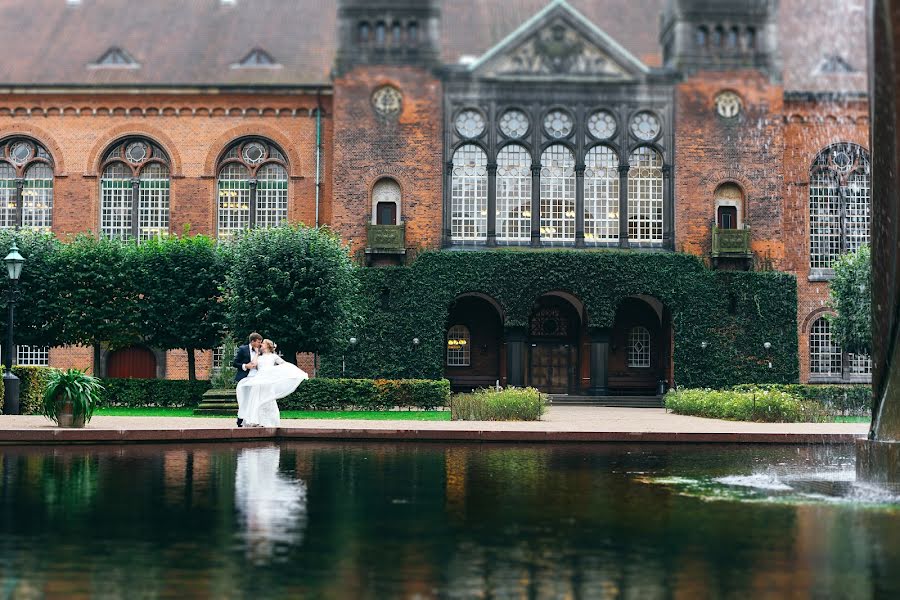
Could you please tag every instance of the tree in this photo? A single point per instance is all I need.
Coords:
(851, 299)
(98, 297)
(293, 284)
(181, 280)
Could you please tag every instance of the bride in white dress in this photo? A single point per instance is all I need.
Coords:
(275, 378)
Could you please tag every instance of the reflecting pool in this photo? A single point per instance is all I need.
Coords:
(367, 520)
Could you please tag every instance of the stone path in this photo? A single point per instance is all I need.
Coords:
(581, 424)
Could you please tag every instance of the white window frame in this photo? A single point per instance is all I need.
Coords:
(460, 356)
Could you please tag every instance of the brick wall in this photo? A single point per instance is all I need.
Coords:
(407, 149)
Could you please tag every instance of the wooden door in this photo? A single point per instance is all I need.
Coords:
(132, 363)
(551, 367)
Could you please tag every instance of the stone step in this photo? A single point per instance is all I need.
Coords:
(614, 401)
(217, 402)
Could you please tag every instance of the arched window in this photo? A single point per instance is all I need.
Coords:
(718, 35)
(729, 206)
(134, 190)
(253, 187)
(731, 39)
(557, 194)
(365, 31)
(396, 33)
(458, 353)
(412, 32)
(839, 203)
(639, 347)
(750, 38)
(645, 196)
(513, 193)
(702, 36)
(380, 32)
(601, 195)
(827, 359)
(468, 196)
(26, 185)
(386, 202)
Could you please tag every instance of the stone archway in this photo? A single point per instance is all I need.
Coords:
(640, 346)
(474, 354)
(555, 335)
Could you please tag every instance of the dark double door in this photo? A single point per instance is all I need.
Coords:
(552, 367)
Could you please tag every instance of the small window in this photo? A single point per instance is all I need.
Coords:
(380, 32)
(33, 356)
(396, 33)
(717, 36)
(639, 348)
(458, 353)
(750, 38)
(727, 217)
(702, 37)
(412, 32)
(731, 40)
(365, 31)
(386, 213)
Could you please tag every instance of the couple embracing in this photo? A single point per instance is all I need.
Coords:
(262, 378)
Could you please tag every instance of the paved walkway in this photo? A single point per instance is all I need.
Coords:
(575, 424)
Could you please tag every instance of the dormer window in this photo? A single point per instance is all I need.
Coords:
(115, 58)
(834, 64)
(257, 59)
(412, 32)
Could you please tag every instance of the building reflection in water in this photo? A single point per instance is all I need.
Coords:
(271, 507)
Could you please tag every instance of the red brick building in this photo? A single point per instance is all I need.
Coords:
(735, 130)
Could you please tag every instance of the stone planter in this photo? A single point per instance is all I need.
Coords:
(66, 418)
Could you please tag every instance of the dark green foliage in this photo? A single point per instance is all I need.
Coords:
(152, 392)
(322, 393)
(293, 284)
(834, 399)
(851, 298)
(734, 312)
(37, 312)
(31, 388)
(508, 404)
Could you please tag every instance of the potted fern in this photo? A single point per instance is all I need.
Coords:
(70, 397)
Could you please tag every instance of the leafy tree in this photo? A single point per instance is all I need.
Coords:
(36, 321)
(99, 301)
(293, 284)
(181, 280)
(851, 298)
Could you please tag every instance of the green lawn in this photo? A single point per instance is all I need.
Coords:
(374, 415)
(852, 419)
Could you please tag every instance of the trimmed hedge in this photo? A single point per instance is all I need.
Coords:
(834, 399)
(31, 389)
(735, 313)
(174, 393)
(508, 404)
(320, 393)
(767, 406)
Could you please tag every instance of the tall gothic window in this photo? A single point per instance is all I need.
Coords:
(645, 196)
(253, 187)
(601, 195)
(828, 360)
(134, 190)
(839, 204)
(558, 194)
(468, 196)
(26, 185)
(513, 193)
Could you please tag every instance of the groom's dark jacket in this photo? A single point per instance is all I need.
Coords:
(241, 358)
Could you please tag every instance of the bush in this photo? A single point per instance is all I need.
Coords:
(31, 388)
(509, 404)
(223, 377)
(322, 393)
(767, 406)
(152, 392)
(834, 400)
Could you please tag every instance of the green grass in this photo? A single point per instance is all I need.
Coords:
(374, 415)
(842, 419)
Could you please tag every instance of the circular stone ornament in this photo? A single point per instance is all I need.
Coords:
(645, 126)
(387, 101)
(470, 123)
(137, 152)
(558, 124)
(514, 124)
(728, 105)
(254, 153)
(21, 152)
(602, 125)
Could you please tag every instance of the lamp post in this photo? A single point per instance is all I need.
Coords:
(353, 341)
(14, 262)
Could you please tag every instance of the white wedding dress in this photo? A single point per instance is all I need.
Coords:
(257, 395)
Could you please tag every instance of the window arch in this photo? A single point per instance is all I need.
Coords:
(364, 31)
(601, 195)
(729, 200)
(386, 202)
(558, 194)
(645, 196)
(828, 360)
(514, 193)
(701, 36)
(134, 190)
(26, 185)
(839, 203)
(458, 342)
(252, 187)
(468, 196)
(639, 347)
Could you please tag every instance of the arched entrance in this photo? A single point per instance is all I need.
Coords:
(473, 343)
(135, 362)
(640, 346)
(554, 333)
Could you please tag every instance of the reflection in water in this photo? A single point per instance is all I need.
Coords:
(271, 507)
(368, 520)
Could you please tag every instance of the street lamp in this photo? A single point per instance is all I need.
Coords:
(353, 341)
(14, 262)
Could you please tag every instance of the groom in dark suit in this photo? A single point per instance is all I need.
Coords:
(245, 360)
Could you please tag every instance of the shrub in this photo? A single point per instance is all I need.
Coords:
(152, 392)
(768, 406)
(321, 393)
(31, 388)
(223, 377)
(833, 399)
(509, 404)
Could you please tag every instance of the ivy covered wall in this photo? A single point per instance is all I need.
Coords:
(735, 313)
